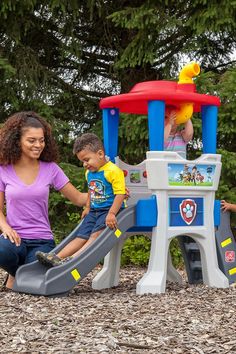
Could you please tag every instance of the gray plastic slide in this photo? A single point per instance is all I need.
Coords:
(38, 279)
(226, 247)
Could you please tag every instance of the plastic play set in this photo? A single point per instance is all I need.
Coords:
(170, 197)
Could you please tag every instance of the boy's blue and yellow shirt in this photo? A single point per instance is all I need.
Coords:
(104, 184)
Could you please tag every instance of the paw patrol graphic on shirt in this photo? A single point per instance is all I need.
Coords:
(97, 190)
(188, 209)
(105, 184)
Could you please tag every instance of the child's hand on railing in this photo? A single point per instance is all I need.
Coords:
(225, 206)
(111, 220)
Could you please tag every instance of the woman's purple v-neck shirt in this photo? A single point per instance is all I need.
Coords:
(27, 205)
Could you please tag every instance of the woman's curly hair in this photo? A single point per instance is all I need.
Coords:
(12, 130)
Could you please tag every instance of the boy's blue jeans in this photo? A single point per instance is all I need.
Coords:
(12, 256)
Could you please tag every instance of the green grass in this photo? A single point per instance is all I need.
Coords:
(204, 184)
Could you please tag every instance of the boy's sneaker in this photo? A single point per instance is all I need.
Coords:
(51, 259)
(48, 259)
(65, 260)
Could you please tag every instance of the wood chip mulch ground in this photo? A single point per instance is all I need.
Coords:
(191, 319)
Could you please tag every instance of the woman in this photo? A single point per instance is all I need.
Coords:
(27, 171)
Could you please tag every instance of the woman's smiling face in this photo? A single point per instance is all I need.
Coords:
(32, 142)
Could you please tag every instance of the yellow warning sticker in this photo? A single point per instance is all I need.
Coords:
(118, 233)
(232, 271)
(226, 242)
(75, 274)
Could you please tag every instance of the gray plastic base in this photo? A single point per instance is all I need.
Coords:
(109, 275)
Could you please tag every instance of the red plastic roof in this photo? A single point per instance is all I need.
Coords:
(136, 101)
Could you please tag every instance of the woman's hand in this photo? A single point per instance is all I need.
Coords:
(85, 212)
(13, 236)
(111, 221)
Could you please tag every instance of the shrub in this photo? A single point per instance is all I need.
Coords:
(136, 251)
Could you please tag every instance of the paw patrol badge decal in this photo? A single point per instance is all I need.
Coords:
(188, 210)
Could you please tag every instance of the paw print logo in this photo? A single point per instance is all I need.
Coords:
(188, 209)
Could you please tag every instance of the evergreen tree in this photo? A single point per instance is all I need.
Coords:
(61, 57)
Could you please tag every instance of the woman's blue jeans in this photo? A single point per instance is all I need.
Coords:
(12, 256)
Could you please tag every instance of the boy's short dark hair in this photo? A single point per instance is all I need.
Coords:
(88, 141)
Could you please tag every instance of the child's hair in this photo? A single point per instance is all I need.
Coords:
(12, 131)
(88, 141)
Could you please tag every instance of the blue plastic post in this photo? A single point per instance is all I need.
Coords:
(217, 209)
(209, 129)
(110, 118)
(156, 120)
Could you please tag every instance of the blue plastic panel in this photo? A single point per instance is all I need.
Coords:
(186, 211)
(146, 212)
